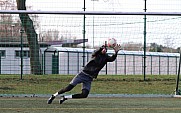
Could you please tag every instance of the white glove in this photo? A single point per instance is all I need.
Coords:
(117, 48)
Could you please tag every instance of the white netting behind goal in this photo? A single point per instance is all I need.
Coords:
(159, 32)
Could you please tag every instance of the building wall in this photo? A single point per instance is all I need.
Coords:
(125, 64)
(11, 64)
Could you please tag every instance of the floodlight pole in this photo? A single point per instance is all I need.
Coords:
(144, 62)
(93, 23)
(21, 31)
(84, 38)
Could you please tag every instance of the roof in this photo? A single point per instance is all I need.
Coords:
(42, 44)
(18, 44)
(121, 52)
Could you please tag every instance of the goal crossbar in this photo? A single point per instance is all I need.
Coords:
(89, 12)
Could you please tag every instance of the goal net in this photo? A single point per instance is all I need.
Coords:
(60, 39)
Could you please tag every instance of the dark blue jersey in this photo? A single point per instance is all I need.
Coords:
(97, 62)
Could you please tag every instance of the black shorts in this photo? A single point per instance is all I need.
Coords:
(84, 79)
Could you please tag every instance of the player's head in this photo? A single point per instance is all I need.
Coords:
(104, 50)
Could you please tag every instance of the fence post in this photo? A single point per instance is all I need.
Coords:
(0, 62)
(21, 31)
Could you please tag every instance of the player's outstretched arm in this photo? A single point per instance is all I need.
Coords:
(113, 57)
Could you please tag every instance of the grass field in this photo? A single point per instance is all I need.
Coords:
(104, 84)
(91, 105)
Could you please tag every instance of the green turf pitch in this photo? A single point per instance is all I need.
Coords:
(91, 105)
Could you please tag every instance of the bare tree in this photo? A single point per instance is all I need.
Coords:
(6, 19)
(27, 23)
(169, 41)
(131, 46)
(50, 35)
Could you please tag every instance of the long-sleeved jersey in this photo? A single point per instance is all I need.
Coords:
(97, 62)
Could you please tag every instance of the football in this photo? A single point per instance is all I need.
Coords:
(112, 42)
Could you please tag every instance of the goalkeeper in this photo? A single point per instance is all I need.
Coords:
(86, 76)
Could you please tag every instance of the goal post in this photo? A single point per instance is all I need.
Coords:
(89, 12)
(64, 27)
(177, 90)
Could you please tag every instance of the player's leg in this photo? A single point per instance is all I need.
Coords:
(76, 80)
(66, 89)
(84, 94)
(63, 90)
(86, 86)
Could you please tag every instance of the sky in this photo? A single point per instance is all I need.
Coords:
(164, 30)
(109, 5)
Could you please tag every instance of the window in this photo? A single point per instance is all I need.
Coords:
(2, 53)
(26, 54)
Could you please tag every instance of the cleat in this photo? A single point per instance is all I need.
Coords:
(62, 100)
(50, 99)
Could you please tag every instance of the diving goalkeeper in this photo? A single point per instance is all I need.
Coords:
(86, 76)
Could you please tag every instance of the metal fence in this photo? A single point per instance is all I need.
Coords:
(60, 60)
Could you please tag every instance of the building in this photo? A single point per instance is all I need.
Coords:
(10, 54)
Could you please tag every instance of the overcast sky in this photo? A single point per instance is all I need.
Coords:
(161, 29)
(109, 5)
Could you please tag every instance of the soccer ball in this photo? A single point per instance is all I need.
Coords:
(112, 42)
